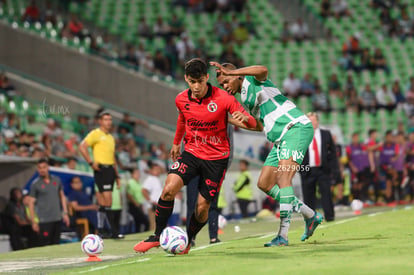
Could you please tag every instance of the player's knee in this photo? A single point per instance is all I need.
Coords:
(168, 193)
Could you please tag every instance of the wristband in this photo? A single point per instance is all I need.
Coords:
(90, 163)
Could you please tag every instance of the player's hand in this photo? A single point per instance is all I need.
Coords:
(35, 227)
(240, 116)
(175, 152)
(95, 207)
(95, 166)
(66, 220)
(220, 68)
(118, 183)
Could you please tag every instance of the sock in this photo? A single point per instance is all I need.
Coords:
(287, 197)
(162, 214)
(101, 218)
(194, 227)
(300, 207)
(274, 192)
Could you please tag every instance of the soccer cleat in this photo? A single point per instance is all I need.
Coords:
(144, 246)
(186, 250)
(310, 225)
(277, 241)
(215, 240)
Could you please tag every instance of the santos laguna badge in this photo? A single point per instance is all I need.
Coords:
(212, 107)
(175, 165)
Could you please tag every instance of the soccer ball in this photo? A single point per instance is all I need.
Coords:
(222, 221)
(92, 245)
(357, 205)
(173, 240)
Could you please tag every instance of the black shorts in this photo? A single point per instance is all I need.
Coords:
(364, 176)
(105, 178)
(211, 173)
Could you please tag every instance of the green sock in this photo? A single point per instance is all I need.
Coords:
(274, 192)
(287, 196)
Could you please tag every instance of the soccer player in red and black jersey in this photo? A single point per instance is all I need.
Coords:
(203, 117)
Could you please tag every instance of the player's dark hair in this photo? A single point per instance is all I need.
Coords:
(388, 132)
(228, 66)
(196, 68)
(355, 133)
(42, 160)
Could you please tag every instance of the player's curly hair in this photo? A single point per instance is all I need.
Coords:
(196, 68)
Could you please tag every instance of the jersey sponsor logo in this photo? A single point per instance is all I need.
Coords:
(175, 165)
(212, 107)
(192, 122)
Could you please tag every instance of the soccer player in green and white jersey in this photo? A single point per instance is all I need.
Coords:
(285, 126)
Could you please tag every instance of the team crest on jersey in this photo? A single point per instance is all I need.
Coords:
(212, 107)
(175, 165)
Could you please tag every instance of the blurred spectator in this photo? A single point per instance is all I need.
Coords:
(299, 30)
(346, 62)
(291, 86)
(5, 87)
(250, 25)
(144, 29)
(388, 153)
(238, 5)
(223, 5)
(242, 188)
(147, 63)
(307, 88)
(71, 145)
(229, 56)
(209, 6)
(219, 27)
(71, 163)
(151, 189)
(405, 25)
(241, 33)
(185, 48)
(52, 128)
(394, 29)
(107, 48)
(285, 33)
(32, 13)
(385, 19)
(265, 150)
(398, 94)
(352, 45)
(49, 14)
(334, 85)
(161, 28)
(320, 101)
(82, 205)
(385, 98)
(130, 56)
(135, 202)
(349, 83)
(58, 146)
(76, 27)
(367, 99)
(325, 8)
(409, 92)
(379, 61)
(340, 8)
(176, 25)
(140, 53)
(18, 223)
(366, 61)
(47, 200)
(161, 65)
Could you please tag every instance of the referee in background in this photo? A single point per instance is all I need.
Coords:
(105, 169)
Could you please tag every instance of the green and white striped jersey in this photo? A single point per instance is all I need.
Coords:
(265, 102)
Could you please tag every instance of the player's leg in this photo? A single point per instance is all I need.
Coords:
(213, 214)
(199, 217)
(164, 209)
(192, 195)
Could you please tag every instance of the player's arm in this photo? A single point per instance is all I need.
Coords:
(235, 122)
(32, 212)
(179, 134)
(76, 207)
(64, 207)
(258, 71)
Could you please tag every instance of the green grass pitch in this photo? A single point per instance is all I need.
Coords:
(380, 241)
